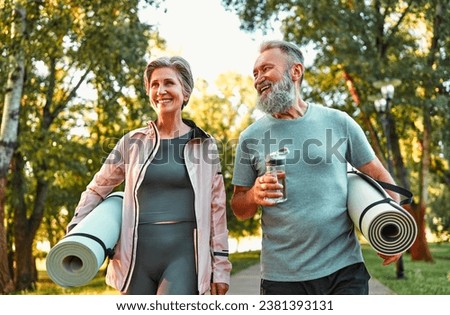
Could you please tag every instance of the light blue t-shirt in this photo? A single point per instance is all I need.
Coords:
(310, 235)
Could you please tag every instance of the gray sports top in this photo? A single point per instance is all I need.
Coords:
(166, 193)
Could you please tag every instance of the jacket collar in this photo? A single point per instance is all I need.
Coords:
(198, 132)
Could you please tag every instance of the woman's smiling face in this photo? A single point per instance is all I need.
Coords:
(166, 90)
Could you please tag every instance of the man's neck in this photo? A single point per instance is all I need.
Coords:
(295, 111)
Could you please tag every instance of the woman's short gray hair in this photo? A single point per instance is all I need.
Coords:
(181, 67)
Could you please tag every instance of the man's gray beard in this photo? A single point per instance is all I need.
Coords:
(280, 99)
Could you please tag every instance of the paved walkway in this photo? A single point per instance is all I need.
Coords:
(246, 282)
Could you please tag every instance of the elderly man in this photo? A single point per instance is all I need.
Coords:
(308, 242)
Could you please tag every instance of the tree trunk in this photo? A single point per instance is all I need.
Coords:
(372, 134)
(26, 275)
(420, 247)
(400, 171)
(6, 283)
(25, 227)
(420, 250)
(9, 127)
(26, 221)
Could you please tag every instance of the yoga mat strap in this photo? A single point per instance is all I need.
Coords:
(400, 190)
(109, 252)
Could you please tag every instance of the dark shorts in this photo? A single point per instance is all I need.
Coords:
(350, 280)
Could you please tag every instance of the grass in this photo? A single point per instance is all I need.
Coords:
(421, 278)
(243, 260)
(97, 286)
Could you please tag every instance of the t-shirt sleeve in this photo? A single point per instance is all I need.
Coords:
(244, 173)
(359, 150)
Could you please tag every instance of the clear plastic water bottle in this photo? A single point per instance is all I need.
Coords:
(276, 166)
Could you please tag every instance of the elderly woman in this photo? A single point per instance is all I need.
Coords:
(174, 237)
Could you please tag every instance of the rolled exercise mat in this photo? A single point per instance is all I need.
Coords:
(77, 258)
(387, 227)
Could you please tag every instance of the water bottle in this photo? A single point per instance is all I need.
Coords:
(276, 166)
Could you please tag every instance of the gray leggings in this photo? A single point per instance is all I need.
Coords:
(165, 262)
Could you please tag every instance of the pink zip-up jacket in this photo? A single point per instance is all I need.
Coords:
(128, 162)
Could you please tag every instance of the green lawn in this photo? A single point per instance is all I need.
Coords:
(421, 278)
(243, 260)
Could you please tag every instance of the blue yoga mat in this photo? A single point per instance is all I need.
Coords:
(76, 259)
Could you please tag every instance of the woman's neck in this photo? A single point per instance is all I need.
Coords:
(171, 127)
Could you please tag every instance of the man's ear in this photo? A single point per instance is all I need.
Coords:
(297, 72)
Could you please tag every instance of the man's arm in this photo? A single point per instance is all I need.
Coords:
(377, 171)
(246, 200)
(242, 202)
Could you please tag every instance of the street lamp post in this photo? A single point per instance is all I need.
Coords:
(383, 106)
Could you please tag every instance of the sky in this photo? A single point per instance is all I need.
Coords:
(207, 36)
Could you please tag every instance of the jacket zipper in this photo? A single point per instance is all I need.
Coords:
(195, 213)
(133, 258)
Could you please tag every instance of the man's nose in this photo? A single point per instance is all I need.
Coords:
(258, 78)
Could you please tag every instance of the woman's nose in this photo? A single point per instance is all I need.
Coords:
(161, 90)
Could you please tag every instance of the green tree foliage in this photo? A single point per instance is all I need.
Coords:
(357, 43)
(15, 69)
(224, 110)
(83, 89)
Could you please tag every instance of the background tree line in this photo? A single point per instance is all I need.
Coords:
(54, 134)
(51, 51)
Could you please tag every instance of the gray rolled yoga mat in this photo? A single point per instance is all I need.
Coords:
(76, 258)
(387, 227)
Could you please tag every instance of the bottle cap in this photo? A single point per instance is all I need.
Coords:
(275, 162)
(277, 157)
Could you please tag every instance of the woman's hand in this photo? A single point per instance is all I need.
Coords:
(219, 288)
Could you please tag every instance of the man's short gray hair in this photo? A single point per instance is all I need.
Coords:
(291, 50)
